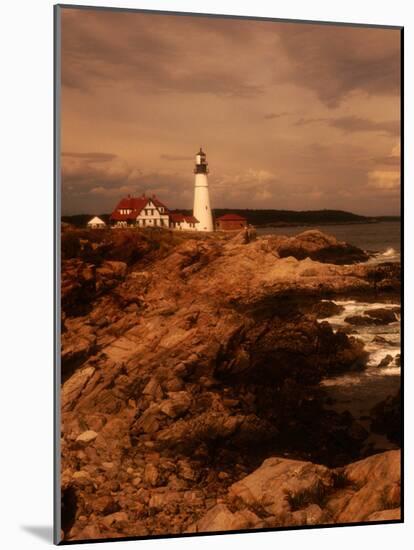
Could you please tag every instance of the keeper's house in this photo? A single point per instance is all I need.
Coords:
(231, 222)
(146, 211)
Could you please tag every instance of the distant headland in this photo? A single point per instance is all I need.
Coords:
(269, 218)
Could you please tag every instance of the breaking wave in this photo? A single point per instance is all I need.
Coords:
(358, 392)
(382, 342)
(389, 255)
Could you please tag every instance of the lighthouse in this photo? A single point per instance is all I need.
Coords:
(202, 208)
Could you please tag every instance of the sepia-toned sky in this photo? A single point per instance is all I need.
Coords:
(291, 116)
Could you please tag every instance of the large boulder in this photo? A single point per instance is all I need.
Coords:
(384, 315)
(377, 487)
(327, 308)
(220, 518)
(319, 246)
(283, 485)
(294, 346)
(285, 492)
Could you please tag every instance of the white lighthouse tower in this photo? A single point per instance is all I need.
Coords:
(202, 208)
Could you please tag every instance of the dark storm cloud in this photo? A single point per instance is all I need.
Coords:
(306, 121)
(87, 181)
(334, 61)
(86, 170)
(388, 160)
(358, 124)
(349, 124)
(92, 157)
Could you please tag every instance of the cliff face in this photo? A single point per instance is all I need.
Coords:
(187, 365)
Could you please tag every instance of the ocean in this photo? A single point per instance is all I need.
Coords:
(382, 239)
(358, 392)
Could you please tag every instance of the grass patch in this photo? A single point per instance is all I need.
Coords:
(313, 495)
(340, 479)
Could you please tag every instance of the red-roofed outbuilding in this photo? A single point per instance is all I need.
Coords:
(231, 222)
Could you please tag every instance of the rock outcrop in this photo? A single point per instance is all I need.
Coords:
(285, 492)
(188, 362)
(377, 316)
(320, 247)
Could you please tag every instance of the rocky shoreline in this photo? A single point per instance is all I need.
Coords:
(190, 369)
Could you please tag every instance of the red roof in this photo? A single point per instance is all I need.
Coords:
(132, 203)
(176, 217)
(157, 202)
(231, 217)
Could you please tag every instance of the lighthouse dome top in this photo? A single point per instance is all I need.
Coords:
(201, 166)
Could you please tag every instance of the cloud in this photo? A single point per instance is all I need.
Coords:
(387, 160)
(92, 157)
(112, 192)
(142, 91)
(386, 177)
(351, 123)
(92, 184)
(253, 187)
(151, 53)
(306, 121)
(396, 150)
(270, 116)
(384, 180)
(175, 157)
(357, 124)
(336, 61)
(88, 171)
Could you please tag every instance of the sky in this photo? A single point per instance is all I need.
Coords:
(291, 116)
